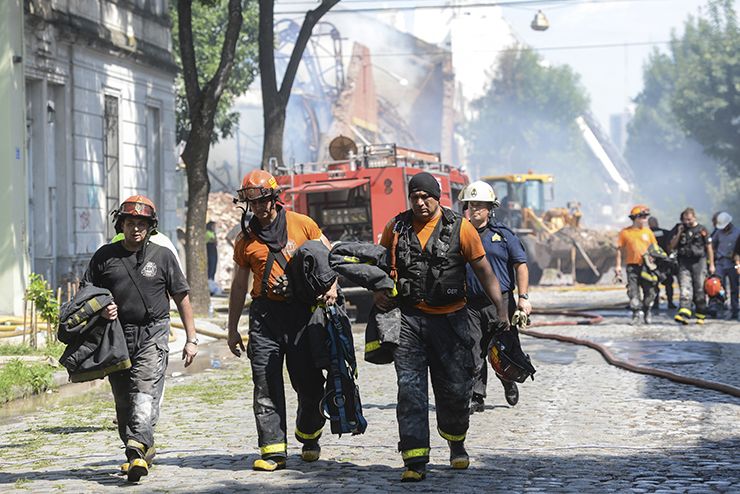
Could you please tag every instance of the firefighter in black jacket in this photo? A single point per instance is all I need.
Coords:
(693, 245)
(429, 247)
(141, 275)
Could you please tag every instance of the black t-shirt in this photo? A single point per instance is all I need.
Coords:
(158, 276)
(663, 237)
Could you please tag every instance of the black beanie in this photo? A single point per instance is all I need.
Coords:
(425, 182)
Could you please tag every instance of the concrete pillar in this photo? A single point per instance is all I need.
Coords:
(14, 258)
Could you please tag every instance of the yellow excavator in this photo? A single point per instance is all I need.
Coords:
(556, 244)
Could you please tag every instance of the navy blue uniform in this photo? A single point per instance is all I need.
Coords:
(504, 251)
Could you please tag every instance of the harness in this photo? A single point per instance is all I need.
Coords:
(434, 274)
(341, 403)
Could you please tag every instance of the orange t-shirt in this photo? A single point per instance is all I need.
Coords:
(252, 253)
(635, 242)
(470, 247)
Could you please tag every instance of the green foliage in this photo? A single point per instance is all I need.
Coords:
(707, 97)
(667, 158)
(43, 298)
(526, 120)
(27, 377)
(51, 349)
(209, 26)
(685, 135)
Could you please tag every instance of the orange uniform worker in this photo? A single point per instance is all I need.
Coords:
(276, 324)
(429, 247)
(632, 243)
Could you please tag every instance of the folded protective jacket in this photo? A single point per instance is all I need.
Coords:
(309, 273)
(366, 265)
(96, 346)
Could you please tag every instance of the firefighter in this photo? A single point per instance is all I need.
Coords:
(632, 243)
(275, 323)
(693, 245)
(429, 246)
(507, 257)
(723, 244)
(141, 275)
(663, 237)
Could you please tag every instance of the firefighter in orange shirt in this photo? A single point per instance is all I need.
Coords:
(632, 243)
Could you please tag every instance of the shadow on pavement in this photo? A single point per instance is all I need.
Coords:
(710, 465)
(72, 430)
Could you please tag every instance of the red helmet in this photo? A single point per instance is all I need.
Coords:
(713, 286)
(135, 206)
(256, 185)
(639, 210)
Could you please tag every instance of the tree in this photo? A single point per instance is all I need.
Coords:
(707, 95)
(205, 78)
(526, 120)
(274, 99)
(658, 146)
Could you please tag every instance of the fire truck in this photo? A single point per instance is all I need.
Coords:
(353, 196)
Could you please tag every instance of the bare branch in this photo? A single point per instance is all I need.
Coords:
(312, 17)
(187, 51)
(218, 82)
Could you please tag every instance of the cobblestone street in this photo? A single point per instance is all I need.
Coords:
(580, 426)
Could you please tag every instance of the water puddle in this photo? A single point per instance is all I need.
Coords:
(212, 355)
(667, 352)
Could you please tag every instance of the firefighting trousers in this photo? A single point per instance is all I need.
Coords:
(641, 292)
(138, 391)
(439, 345)
(729, 277)
(483, 338)
(277, 333)
(691, 276)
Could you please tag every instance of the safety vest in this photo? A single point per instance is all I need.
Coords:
(435, 274)
(691, 243)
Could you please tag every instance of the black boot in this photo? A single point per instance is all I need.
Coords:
(415, 472)
(511, 392)
(477, 404)
(459, 459)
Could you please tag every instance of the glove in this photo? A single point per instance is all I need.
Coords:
(282, 287)
(520, 319)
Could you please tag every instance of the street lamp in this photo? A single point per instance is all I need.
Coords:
(540, 22)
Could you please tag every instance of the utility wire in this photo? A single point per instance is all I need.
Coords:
(441, 6)
(503, 50)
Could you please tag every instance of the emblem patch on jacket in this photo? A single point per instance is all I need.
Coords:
(149, 270)
(496, 238)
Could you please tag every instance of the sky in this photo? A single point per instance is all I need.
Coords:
(611, 74)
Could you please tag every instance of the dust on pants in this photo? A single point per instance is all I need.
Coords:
(439, 345)
(276, 332)
(641, 292)
(483, 338)
(139, 390)
(691, 276)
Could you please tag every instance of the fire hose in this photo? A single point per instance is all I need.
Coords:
(586, 318)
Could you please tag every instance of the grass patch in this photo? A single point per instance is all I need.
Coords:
(53, 349)
(213, 389)
(26, 377)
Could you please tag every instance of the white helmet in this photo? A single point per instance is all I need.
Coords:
(479, 191)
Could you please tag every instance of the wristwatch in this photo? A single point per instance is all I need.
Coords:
(524, 296)
(194, 342)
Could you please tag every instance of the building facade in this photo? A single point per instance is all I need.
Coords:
(99, 124)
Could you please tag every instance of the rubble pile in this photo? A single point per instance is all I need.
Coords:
(226, 215)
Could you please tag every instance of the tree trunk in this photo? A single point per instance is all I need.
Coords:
(274, 128)
(195, 157)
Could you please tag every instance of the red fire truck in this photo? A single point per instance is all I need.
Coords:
(353, 198)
